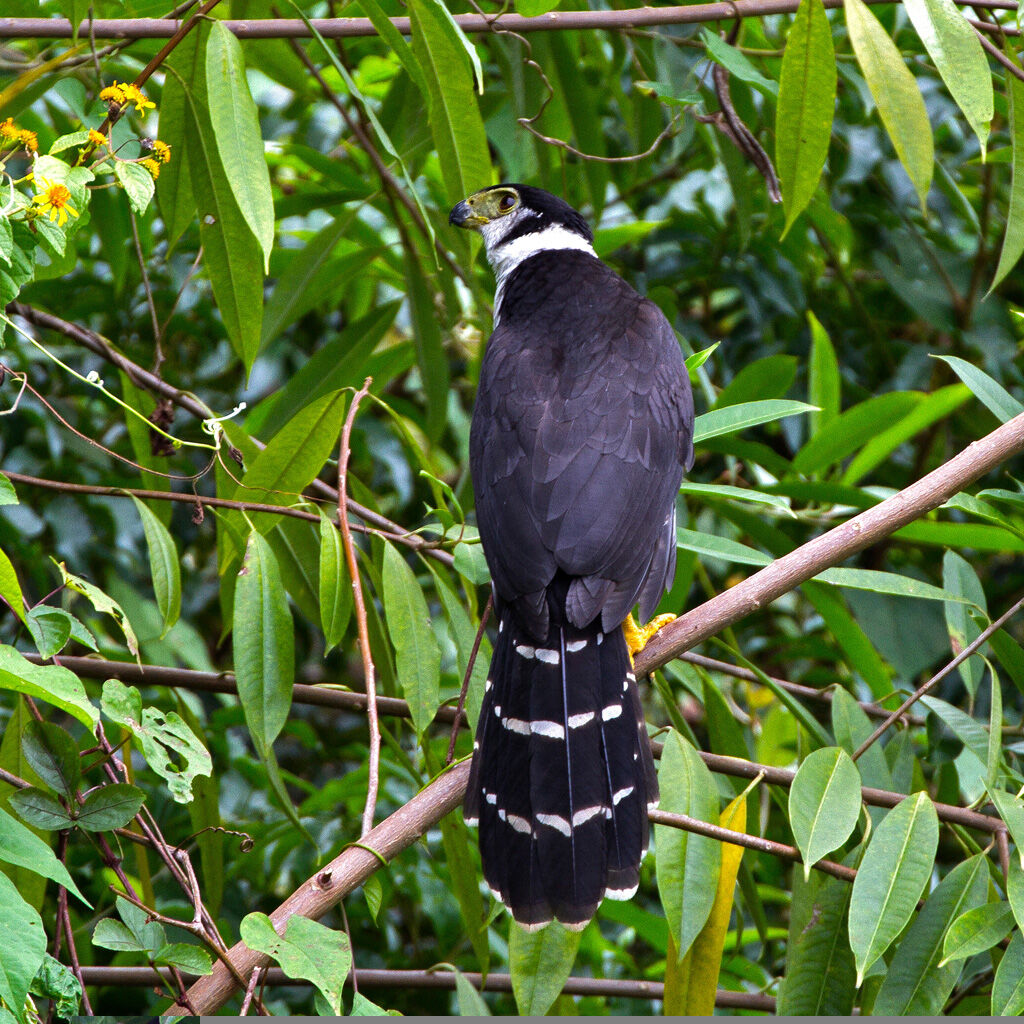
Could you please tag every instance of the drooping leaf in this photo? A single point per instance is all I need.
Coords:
(51, 683)
(103, 603)
(959, 578)
(24, 948)
(688, 865)
(163, 565)
(1008, 986)
(417, 655)
(953, 45)
(895, 93)
(335, 588)
(53, 755)
(824, 381)
(10, 588)
(803, 117)
(540, 962)
(824, 803)
(1013, 238)
(988, 391)
(22, 847)
(891, 878)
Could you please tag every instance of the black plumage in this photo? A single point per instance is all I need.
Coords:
(582, 428)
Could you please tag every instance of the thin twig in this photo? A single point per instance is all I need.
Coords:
(158, 357)
(250, 990)
(459, 719)
(940, 675)
(360, 609)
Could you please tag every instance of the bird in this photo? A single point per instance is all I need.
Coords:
(580, 434)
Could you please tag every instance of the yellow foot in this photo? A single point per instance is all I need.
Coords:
(637, 637)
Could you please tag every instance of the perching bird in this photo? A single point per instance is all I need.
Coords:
(582, 428)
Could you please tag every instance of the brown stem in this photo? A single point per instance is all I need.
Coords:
(465, 680)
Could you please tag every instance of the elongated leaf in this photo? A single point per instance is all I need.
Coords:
(820, 972)
(103, 603)
(852, 727)
(307, 950)
(854, 428)
(452, 111)
(53, 755)
(914, 984)
(891, 878)
(51, 683)
(335, 587)
(824, 803)
(174, 186)
(888, 583)
(1015, 890)
(24, 947)
(471, 1002)
(417, 655)
(990, 393)
(540, 962)
(236, 127)
(953, 45)
(803, 117)
(401, 49)
(959, 578)
(736, 63)
(430, 352)
(1011, 810)
(722, 491)
(824, 381)
(702, 963)
(977, 930)
(10, 589)
(735, 418)
(458, 842)
(1008, 986)
(20, 846)
(687, 865)
(895, 93)
(711, 546)
(163, 565)
(264, 644)
(1013, 238)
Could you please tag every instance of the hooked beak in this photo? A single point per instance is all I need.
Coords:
(464, 216)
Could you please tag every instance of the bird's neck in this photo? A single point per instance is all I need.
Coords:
(505, 257)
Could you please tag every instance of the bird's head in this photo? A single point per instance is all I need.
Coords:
(517, 221)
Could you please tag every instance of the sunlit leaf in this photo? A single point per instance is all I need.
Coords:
(824, 803)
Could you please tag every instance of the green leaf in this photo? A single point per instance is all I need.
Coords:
(959, 578)
(914, 983)
(164, 737)
(10, 588)
(137, 183)
(894, 872)
(335, 588)
(455, 122)
(264, 644)
(895, 93)
(471, 1001)
(724, 491)
(396, 42)
(110, 807)
(111, 934)
(186, 957)
(8, 495)
(687, 864)
(24, 946)
(103, 603)
(236, 127)
(970, 732)
(53, 755)
(991, 394)
(1008, 986)
(767, 378)
(308, 950)
(174, 186)
(57, 982)
(977, 930)
(540, 963)
(1015, 890)
(803, 117)
(471, 563)
(888, 583)
(50, 629)
(417, 654)
(163, 565)
(1011, 810)
(736, 63)
(852, 429)
(824, 803)
(533, 9)
(820, 972)
(50, 683)
(1013, 238)
(824, 381)
(430, 354)
(465, 884)
(735, 418)
(23, 848)
(41, 810)
(953, 45)
(69, 141)
(137, 934)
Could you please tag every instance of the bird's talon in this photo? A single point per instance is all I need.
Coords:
(638, 637)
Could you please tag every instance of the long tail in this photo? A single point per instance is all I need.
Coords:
(562, 774)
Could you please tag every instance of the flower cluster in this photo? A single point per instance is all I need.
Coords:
(123, 93)
(11, 134)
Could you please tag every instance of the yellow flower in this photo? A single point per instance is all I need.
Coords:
(97, 138)
(8, 131)
(55, 199)
(113, 94)
(152, 166)
(28, 140)
(161, 151)
(133, 94)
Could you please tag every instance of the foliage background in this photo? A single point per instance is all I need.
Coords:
(296, 245)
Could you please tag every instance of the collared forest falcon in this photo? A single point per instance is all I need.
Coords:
(582, 428)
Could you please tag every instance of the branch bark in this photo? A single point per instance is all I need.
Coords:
(343, 28)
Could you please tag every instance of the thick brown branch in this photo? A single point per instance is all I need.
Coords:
(833, 548)
(341, 28)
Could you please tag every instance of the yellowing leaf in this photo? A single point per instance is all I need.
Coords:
(896, 94)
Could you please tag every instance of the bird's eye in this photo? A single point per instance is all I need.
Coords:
(506, 203)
